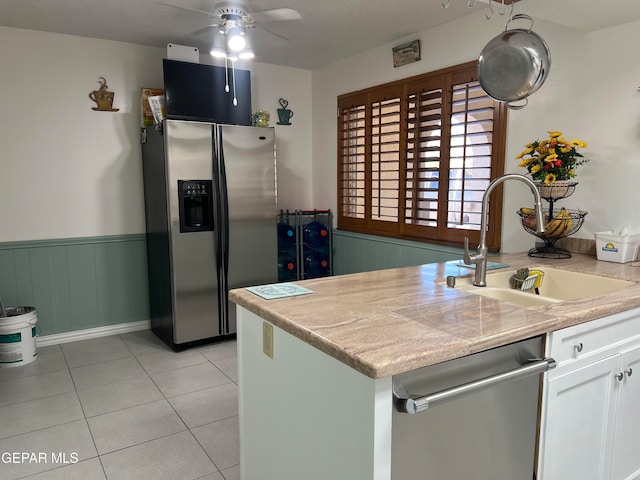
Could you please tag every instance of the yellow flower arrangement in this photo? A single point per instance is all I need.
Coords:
(552, 159)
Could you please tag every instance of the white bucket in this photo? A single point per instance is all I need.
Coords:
(18, 336)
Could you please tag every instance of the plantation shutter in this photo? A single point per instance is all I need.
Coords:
(469, 154)
(384, 140)
(423, 158)
(415, 157)
(476, 150)
(351, 162)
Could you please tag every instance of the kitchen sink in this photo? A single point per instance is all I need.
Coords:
(526, 299)
(557, 286)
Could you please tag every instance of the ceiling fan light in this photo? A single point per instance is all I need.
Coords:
(247, 51)
(235, 39)
(218, 49)
(217, 52)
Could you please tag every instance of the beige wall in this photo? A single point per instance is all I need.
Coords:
(67, 171)
(590, 94)
(269, 83)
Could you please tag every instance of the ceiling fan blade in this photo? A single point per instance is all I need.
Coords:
(200, 31)
(261, 35)
(275, 15)
(189, 9)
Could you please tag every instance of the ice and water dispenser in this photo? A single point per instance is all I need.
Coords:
(195, 200)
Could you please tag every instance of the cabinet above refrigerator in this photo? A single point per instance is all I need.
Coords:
(194, 91)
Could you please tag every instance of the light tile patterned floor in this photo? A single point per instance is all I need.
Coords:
(121, 407)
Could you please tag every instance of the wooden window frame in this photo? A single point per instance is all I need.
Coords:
(353, 128)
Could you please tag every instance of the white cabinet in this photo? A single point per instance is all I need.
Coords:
(626, 444)
(580, 423)
(588, 427)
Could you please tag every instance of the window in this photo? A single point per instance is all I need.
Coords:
(415, 157)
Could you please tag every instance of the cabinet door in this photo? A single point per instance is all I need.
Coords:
(626, 445)
(579, 423)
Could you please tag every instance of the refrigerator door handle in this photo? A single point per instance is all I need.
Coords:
(224, 234)
(220, 229)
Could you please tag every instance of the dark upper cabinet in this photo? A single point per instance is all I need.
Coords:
(195, 91)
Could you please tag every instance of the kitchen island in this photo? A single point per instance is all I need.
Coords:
(320, 405)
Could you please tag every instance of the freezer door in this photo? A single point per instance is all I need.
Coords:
(248, 164)
(194, 272)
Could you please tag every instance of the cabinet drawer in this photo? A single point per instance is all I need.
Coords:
(593, 339)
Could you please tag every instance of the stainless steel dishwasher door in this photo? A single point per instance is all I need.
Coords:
(487, 435)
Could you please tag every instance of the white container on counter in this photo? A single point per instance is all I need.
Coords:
(612, 247)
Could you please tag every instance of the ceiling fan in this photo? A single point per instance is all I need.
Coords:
(230, 41)
(232, 19)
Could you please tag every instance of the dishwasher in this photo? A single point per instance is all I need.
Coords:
(475, 417)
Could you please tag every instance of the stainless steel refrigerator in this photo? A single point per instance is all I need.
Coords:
(210, 205)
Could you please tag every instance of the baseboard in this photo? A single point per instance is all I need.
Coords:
(88, 333)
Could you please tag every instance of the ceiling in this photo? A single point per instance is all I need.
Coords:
(328, 30)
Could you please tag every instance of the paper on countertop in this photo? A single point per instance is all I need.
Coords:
(490, 265)
(278, 290)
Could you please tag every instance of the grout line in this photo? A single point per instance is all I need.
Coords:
(163, 397)
(145, 442)
(42, 397)
(102, 361)
(45, 428)
(205, 451)
(33, 375)
(104, 472)
(124, 408)
(60, 467)
(173, 368)
(84, 415)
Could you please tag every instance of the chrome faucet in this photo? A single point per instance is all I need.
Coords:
(480, 258)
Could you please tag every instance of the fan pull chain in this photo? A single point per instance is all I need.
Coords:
(226, 75)
(233, 71)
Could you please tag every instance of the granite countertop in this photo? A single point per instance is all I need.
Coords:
(388, 322)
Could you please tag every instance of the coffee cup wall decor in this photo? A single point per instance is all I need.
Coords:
(103, 98)
(284, 114)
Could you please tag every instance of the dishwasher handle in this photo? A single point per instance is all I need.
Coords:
(422, 403)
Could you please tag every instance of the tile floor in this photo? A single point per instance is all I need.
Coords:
(121, 407)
